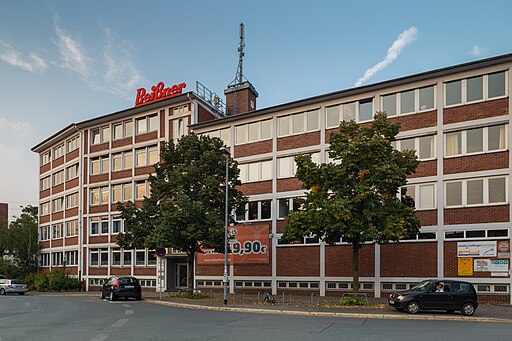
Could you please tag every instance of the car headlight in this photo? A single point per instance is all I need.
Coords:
(399, 297)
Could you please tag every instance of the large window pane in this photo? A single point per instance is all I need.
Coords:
(497, 190)
(283, 124)
(475, 140)
(266, 170)
(407, 102)
(496, 84)
(253, 210)
(475, 190)
(253, 171)
(389, 104)
(407, 144)
(243, 172)
(241, 134)
(333, 116)
(426, 199)
(153, 123)
(283, 207)
(298, 123)
(118, 131)
(253, 131)
(365, 110)
(312, 120)
(141, 125)
(266, 129)
(496, 137)
(453, 143)
(427, 98)
(127, 192)
(453, 193)
(453, 93)
(153, 155)
(285, 168)
(426, 146)
(128, 160)
(475, 89)
(349, 111)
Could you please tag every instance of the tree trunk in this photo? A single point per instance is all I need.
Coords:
(355, 262)
(190, 271)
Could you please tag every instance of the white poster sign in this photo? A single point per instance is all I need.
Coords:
(499, 265)
(482, 265)
(476, 249)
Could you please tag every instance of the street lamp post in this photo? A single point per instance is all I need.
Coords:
(225, 277)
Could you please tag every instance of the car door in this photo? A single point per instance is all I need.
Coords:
(106, 286)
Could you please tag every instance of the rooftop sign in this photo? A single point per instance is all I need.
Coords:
(158, 92)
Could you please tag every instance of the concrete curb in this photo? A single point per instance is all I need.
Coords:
(329, 314)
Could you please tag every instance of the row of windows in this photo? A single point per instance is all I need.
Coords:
(145, 156)
(475, 89)
(59, 177)
(57, 205)
(119, 257)
(120, 192)
(297, 123)
(478, 140)
(469, 234)
(70, 145)
(252, 132)
(59, 258)
(102, 225)
(57, 231)
(408, 102)
(125, 129)
(147, 283)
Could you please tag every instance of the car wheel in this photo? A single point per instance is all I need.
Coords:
(468, 309)
(2, 291)
(112, 296)
(102, 295)
(413, 307)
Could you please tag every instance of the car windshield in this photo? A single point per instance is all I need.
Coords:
(17, 281)
(422, 286)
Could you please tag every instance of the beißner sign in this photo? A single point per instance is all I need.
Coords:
(158, 92)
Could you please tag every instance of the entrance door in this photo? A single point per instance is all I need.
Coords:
(181, 275)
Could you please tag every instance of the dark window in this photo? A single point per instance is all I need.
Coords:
(454, 234)
(253, 210)
(266, 209)
(497, 233)
(475, 234)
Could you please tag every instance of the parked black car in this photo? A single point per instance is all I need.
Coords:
(115, 287)
(455, 295)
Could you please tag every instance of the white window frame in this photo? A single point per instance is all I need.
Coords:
(290, 119)
(417, 109)
(485, 90)
(485, 142)
(485, 192)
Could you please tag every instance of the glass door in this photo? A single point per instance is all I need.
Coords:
(181, 275)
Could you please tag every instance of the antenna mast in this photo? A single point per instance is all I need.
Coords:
(239, 72)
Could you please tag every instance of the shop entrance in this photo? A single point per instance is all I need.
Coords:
(176, 273)
(181, 275)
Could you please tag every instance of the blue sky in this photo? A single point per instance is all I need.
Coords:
(68, 61)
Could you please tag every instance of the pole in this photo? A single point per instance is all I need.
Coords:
(225, 278)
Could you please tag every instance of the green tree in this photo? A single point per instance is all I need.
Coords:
(186, 207)
(19, 241)
(355, 197)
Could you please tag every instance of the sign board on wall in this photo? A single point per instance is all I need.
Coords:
(495, 265)
(485, 248)
(465, 267)
(249, 245)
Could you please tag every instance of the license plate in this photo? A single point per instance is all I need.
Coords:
(391, 302)
(128, 286)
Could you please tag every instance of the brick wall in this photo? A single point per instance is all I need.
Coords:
(476, 215)
(425, 168)
(408, 260)
(338, 261)
(298, 141)
(298, 261)
(416, 121)
(256, 148)
(427, 217)
(476, 111)
(474, 163)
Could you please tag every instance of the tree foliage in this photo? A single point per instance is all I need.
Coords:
(355, 197)
(186, 207)
(19, 244)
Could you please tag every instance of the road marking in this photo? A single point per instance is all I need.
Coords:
(119, 323)
(128, 312)
(126, 305)
(99, 337)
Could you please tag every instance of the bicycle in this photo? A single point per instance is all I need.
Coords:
(268, 297)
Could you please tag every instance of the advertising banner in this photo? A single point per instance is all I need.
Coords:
(248, 245)
(499, 265)
(465, 267)
(476, 249)
(482, 264)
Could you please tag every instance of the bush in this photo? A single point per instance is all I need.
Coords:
(40, 283)
(349, 300)
(55, 280)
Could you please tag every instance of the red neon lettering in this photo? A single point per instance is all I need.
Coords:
(158, 92)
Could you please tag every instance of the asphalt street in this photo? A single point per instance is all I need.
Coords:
(90, 318)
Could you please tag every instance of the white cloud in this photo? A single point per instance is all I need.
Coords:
(112, 71)
(17, 128)
(72, 55)
(404, 39)
(476, 51)
(33, 63)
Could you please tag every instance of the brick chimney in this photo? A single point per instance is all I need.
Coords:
(240, 98)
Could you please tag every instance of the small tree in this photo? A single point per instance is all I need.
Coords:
(186, 207)
(355, 197)
(19, 241)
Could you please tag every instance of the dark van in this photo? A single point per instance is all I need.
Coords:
(437, 295)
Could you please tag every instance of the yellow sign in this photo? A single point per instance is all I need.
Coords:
(465, 266)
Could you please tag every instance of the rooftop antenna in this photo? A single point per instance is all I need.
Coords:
(239, 78)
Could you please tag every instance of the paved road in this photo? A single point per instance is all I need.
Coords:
(89, 318)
